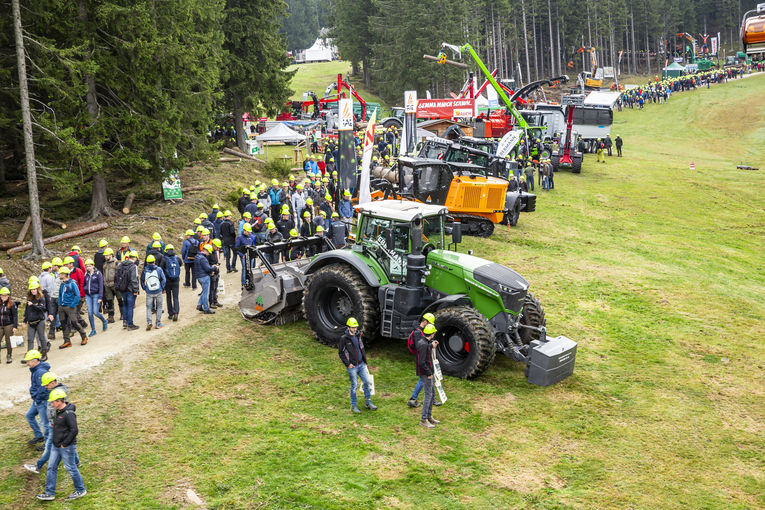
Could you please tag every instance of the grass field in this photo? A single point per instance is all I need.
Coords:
(657, 272)
(318, 76)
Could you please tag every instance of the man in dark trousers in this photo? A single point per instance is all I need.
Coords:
(414, 338)
(608, 143)
(618, 145)
(171, 265)
(65, 432)
(425, 371)
(228, 237)
(352, 354)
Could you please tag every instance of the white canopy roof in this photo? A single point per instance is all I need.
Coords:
(280, 133)
(401, 210)
(602, 98)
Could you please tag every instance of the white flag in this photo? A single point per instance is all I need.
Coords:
(365, 194)
(402, 146)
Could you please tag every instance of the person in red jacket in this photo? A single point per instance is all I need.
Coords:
(78, 275)
(75, 254)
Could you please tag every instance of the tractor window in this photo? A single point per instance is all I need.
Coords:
(432, 151)
(407, 179)
(374, 230)
(433, 231)
(433, 184)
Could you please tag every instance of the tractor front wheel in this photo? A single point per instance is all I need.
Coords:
(466, 344)
(533, 315)
(333, 294)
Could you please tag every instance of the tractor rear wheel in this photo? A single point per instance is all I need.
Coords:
(533, 315)
(515, 213)
(332, 295)
(466, 344)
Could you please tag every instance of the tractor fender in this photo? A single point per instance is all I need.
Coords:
(451, 300)
(391, 121)
(510, 199)
(343, 257)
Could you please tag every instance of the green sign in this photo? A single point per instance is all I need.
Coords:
(171, 187)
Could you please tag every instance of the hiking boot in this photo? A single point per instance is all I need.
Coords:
(92, 332)
(209, 312)
(40, 448)
(437, 403)
(9, 359)
(77, 494)
(47, 346)
(66, 344)
(148, 327)
(32, 468)
(84, 341)
(110, 320)
(186, 285)
(132, 328)
(46, 497)
(433, 421)
(158, 326)
(44, 356)
(175, 318)
(124, 324)
(427, 424)
(35, 440)
(413, 403)
(199, 307)
(355, 409)
(369, 405)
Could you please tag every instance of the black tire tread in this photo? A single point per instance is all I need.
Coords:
(483, 335)
(369, 316)
(533, 315)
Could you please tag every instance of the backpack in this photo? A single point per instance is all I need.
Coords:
(410, 342)
(172, 268)
(122, 278)
(151, 278)
(193, 249)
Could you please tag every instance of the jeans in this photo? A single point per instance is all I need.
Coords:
(359, 370)
(49, 447)
(92, 301)
(171, 289)
(204, 297)
(428, 396)
(241, 259)
(417, 389)
(154, 302)
(69, 456)
(42, 410)
(530, 180)
(230, 255)
(128, 303)
(213, 297)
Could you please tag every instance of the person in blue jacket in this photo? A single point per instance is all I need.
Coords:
(39, 395)
(94, 295)
(68, 299)
(187, 256)
(214, 214)
(153, 282)
(204, 270)
(244, 239)
(345, 208)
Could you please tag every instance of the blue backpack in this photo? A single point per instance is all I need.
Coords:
(172, 267)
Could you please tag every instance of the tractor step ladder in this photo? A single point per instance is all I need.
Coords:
(387, 313)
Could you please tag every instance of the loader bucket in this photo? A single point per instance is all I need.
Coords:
(273, 292)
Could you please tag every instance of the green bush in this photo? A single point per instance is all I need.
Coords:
(278, 169)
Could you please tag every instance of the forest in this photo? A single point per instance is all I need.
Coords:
(525, 39)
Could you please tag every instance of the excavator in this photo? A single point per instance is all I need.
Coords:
(753, 31)
(589, 80)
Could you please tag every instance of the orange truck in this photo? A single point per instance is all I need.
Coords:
(753, 32)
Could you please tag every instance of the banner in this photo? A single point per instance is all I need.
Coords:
(608, 72)
(445, 108)
(507, 142)
(410, 101)
(171, 187)
(714, 45)
(345, 111)
(365, 194)
(493, 97)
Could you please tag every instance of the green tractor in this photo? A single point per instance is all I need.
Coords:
(400, 267)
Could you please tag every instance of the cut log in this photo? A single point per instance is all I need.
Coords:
(241, 155)
(229, 160)
(24, 229)
(59, 224)
(461, 65)
(61, 237)
(128, 203)
(8, 246)
(746, 167)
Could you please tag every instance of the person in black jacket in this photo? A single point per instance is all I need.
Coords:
(65, 432)
(425, 349)
(352, 354)
(228, 238)
(35, 313)
(9, 320)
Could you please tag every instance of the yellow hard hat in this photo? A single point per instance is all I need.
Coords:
(89, 262)
(429, 317)
(56, 394)
(319, 229)
(125, 240)
(227, 213)
(217, 243)
(208, 247)
(293, 233)
(169, 247)
(68, 260)
(4, 291)
(108, 251)
(156, 244)
(219, 214)
(63, 270)
(189, 232)
(46, 265)
(352, 322)
(215, 206)
(202, 216)
(197, 221)
(133, 254)
(76, 248)
(247, 214)
(150, 259)
(102, 243)
(47, 378)
(247, 227)
(33, 354)
(275, 182)
(429, 329)
(33, 284)
(156, 236)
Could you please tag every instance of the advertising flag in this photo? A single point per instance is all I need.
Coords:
(365, 194)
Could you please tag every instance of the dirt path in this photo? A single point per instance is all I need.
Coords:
(14, 378)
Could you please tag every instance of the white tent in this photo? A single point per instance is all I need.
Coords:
(321, 51)
(280, 133)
